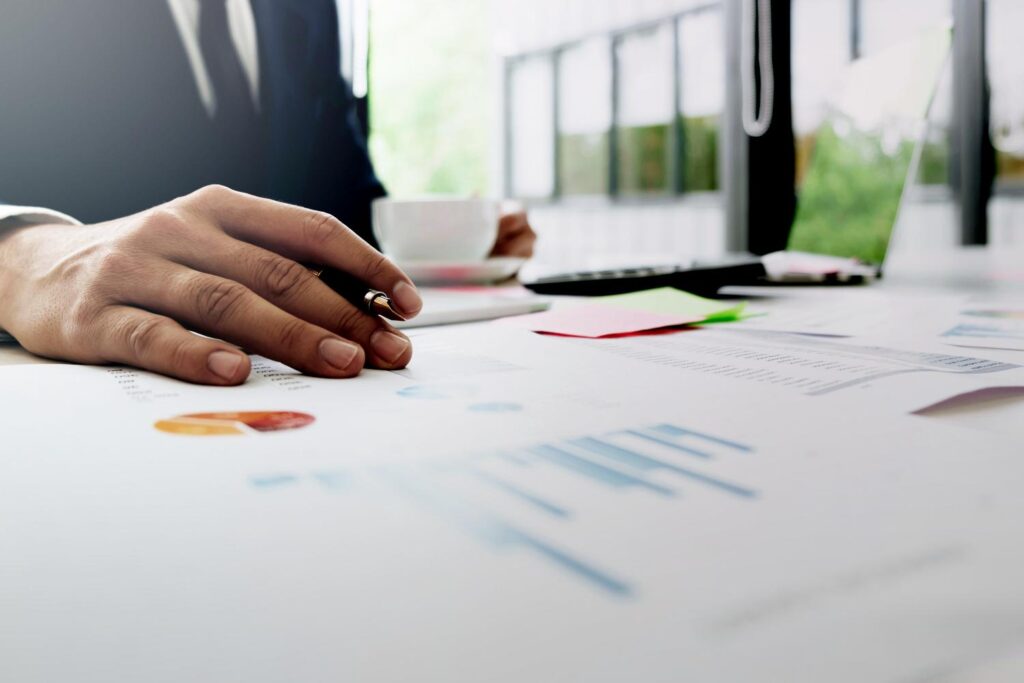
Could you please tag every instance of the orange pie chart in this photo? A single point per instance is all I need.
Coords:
(234, 423)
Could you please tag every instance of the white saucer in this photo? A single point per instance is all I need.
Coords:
(462, 272)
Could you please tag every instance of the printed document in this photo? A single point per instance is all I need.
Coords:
(512, 507)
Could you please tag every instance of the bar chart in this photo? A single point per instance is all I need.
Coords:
(476, 494)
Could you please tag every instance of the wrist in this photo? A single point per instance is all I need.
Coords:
(17, 246)
(7, 234)
(9, 237)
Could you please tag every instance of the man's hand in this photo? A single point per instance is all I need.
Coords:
(219, 262)
(515, 236)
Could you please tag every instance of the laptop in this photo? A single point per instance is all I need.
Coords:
(867, 152)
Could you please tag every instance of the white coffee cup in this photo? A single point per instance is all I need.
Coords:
(436, 228)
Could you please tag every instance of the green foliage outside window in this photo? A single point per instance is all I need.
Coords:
(583, 163)
(644, 159)
(700, 153)
(1010, 167)
(432, 95)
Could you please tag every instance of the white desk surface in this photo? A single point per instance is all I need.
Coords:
(962, 272)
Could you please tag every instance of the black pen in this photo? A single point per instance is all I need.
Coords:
(366, 299)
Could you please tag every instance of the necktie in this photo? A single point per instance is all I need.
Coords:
(235, 118)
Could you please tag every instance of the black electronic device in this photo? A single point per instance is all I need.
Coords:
(702, 278)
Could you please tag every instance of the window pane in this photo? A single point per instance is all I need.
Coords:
(1006, 74)
(532, 132)
(584, 117)
(428, 52)
(886, 22)
(701, 97)
(821, 50)
(646, 110)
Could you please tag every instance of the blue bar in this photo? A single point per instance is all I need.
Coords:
(493, 530)
(672, 430)
(626, 457)
(671, 444)
(420, 391)
(273, 480)
(643, 462)
(573, 565)
(520, 493)
(591, 469)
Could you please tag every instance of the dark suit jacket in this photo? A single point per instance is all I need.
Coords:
(100, 117)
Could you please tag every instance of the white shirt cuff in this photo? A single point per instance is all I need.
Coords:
(11, 216)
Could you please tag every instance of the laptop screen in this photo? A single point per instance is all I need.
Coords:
(866, 149)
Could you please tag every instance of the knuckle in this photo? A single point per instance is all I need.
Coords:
(212, 194)
(75, 328)
(349, 319)
(280, 277)
(292, 333)
(140, 337)
(321, 228)
(80, 317)
(112, 272)
(377, 265)
(218, 300)
(164, 221)
(181, 355)
(113, 263)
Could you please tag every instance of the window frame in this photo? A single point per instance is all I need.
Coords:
(967, 130)
(676, 189)
(508, 157)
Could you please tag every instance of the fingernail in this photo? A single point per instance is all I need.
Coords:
(407, 298)
(224, 364)
(388, 345)
(338, 353)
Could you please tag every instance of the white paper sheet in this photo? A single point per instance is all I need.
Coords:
(850, 312)
(993, 324)
(956, 320)
(512, 507)
(894, 377)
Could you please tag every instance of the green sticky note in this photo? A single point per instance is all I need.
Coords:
(672, 301)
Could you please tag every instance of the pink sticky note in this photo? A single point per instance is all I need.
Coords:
(596, 320)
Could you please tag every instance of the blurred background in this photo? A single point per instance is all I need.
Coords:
(618, 123)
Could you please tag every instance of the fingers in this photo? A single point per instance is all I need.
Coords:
(307, 236)
(515, 236)
(292, 288)
(153, 342)
(231, 311)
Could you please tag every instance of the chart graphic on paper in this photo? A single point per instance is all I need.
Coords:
(500, 498)
(234, 423)
(1002, 314)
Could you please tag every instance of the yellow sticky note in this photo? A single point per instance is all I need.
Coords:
(669, 300)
